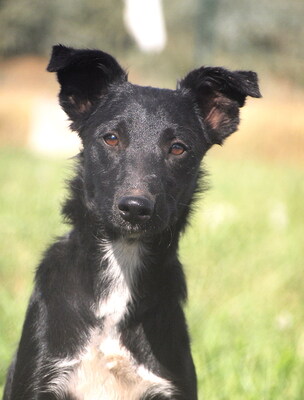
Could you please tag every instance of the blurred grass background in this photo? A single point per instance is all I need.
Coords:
(243, 253)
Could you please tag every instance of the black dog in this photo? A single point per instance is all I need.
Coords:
(105, 321)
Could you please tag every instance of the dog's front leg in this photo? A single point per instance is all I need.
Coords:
(36, 372)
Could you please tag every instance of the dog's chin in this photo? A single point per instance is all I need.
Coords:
(114, 226)
(138, 231)
(134, 231)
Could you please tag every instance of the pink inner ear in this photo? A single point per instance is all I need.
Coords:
(215, 117)
(82, 105)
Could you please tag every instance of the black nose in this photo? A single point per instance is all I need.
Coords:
(135, 209)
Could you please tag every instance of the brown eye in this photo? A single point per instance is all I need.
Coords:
(111, 139)
(177, 149)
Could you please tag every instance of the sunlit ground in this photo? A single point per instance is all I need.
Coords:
(243, 252)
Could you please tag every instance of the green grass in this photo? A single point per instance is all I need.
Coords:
(243, 256)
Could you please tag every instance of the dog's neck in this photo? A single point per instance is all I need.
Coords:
(134, 260)
(137, 277)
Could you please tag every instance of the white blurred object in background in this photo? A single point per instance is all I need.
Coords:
(50, 132)
(144, 20)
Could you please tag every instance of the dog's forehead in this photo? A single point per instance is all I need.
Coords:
(163, 104)
(148, 107)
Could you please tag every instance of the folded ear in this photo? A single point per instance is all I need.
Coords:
(219, 94)
(84, 76)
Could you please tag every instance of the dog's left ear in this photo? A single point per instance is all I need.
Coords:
(84, 76)
(218, 94)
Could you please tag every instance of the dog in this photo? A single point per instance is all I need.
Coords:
(105, 320)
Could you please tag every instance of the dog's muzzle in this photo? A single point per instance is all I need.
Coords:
(135, 209)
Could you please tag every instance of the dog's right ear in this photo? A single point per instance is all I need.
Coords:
(84, 76)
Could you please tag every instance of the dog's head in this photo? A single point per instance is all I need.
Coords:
(142, 145)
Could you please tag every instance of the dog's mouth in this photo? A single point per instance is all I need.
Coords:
(140, 230)
(144, 228)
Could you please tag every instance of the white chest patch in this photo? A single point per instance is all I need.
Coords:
(106, 370)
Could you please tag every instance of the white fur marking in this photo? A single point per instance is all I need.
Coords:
(106, 370)
(124, 260)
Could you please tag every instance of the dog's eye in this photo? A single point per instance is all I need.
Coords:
(177, 149)
(111, 139)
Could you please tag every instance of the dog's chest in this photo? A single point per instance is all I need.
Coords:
(105, 369)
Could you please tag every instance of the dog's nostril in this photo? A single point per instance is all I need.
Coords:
(135, 209)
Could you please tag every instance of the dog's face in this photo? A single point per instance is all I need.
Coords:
(143, 146)
(142, 150)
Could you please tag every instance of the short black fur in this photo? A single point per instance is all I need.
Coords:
(136, 179)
